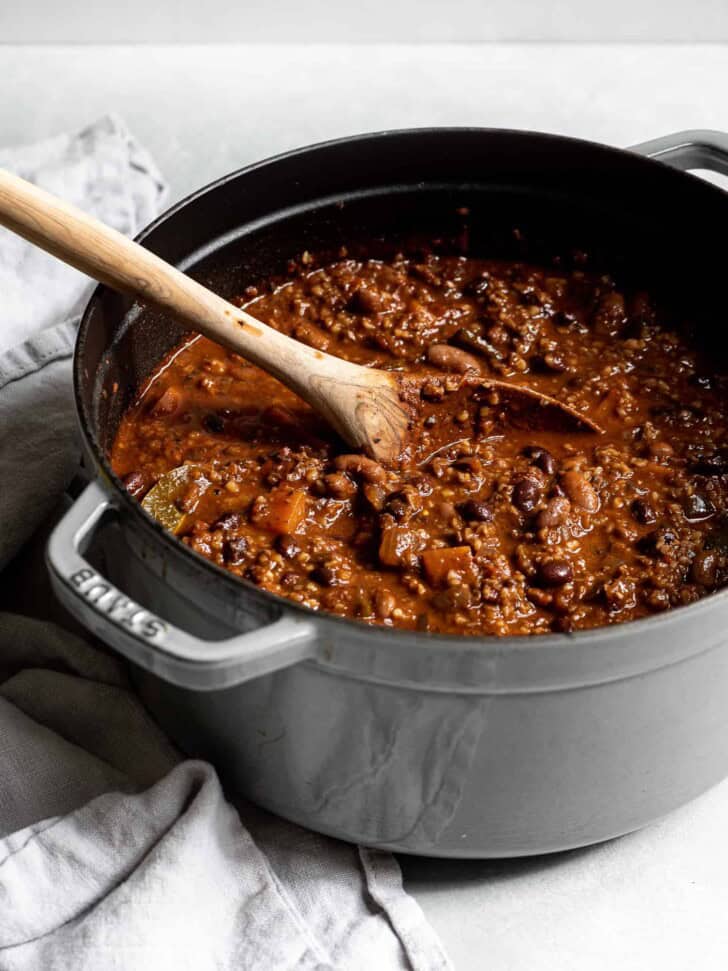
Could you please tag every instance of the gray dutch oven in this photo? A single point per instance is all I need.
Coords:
(421, 743)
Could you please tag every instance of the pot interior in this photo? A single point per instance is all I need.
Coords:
(486, 193)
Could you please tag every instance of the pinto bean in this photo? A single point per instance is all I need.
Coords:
(168, 403)
(339, 485)
(610, 317)
(704, 568)
(367, 468)
(581, 492)
(368, 301)
(452, 358)
(384, 603)
(281, 416)
(555, 514)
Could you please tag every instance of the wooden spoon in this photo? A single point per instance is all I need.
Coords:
(366, 406)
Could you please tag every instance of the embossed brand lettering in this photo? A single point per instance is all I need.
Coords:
(119, 608)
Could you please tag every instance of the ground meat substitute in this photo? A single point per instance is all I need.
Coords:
(512, 528)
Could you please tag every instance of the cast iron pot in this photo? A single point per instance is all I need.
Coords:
(421, 743)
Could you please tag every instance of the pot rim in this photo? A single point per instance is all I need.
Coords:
(608, 634)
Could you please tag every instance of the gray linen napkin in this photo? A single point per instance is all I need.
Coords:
(115, 853)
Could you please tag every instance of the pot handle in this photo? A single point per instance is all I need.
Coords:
(145, 638)
(696, 149)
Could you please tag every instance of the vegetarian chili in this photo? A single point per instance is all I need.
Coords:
(506, 528)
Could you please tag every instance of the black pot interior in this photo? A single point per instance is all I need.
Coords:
(487, 193)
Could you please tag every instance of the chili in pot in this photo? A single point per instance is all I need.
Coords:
(507, 527)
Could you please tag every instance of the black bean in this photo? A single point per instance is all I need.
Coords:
(477, 510)
(287, 545)
(542, 458)
(213, 423)
(555, 573)
(710, 463)
(324, 576)
(229, 521)
(643, 512)
(717, 536)
(556, 362)
(530, 298)
(553, 362)
(563, 318)
(697, 508)
(704, 381)
(657, 542)
(234, 550)
(526, 494)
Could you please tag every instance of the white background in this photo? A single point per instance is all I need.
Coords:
(407, 21)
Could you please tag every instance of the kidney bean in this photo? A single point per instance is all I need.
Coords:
(134, 483)
(452, 358)
(580, 491)
(555, 573)
(526, 494)
(366, 301)
(281, 416)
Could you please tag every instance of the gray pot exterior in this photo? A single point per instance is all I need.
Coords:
(504, 769)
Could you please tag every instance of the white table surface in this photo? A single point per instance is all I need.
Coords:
(657, 899)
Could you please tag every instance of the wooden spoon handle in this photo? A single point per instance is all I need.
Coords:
(108, 256)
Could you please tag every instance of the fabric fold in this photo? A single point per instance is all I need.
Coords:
(115, 854)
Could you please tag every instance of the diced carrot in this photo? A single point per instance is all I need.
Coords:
(397, 545)
(439, 563)
(284, 511)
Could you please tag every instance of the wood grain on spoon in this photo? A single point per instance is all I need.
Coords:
(365, 406)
